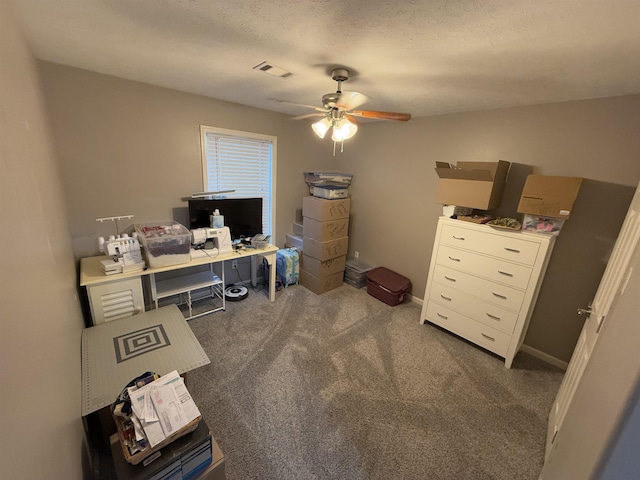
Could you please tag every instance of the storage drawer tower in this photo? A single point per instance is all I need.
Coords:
(483, 283)
(325, 225)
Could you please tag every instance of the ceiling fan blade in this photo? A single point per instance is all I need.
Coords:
(401, 117)
(309, 115)
(351, 100)
(320, 109)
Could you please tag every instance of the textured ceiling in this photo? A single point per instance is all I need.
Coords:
(422, 57)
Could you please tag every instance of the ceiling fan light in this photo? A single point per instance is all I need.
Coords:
(343, 130)
(321, 127)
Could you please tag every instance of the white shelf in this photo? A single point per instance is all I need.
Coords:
(185, 283)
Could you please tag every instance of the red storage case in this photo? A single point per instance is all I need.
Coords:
(387, 286)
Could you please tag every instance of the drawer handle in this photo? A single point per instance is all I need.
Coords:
(448, 299)
(457, 238)
(499, 296)
(442, 316)
(451, 279)
(493, 316)
(488, 337)
(511, 250)
(505, 273)
(454, 259)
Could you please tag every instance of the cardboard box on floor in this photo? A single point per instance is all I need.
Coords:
(325, 210)
(324, 231)
(549, 196)
(323, 268)
(325, 250)
(476, 185)
(320, 284)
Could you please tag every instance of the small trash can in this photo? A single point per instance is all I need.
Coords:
(387, 286)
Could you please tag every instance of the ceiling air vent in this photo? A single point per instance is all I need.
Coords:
(272, 69)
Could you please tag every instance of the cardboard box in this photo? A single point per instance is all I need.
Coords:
(322, 284)
(323, 268)
(325, 250)
(548, 196)
(324, 210)
(324, 231)
(471, 184)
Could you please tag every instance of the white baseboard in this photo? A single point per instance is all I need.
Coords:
(417, 300)
(545, 357)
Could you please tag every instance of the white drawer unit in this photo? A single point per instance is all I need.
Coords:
(116, 299)
(483, 283)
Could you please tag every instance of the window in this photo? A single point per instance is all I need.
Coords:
(241, 161)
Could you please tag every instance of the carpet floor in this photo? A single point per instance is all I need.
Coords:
(342, 386)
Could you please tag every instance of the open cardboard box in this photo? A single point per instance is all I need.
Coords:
(476, 185)
(548, 196)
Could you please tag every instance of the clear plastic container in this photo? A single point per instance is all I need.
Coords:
(165, 243)
(355, 272)
(322, 179)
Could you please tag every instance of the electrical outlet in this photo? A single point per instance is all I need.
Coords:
(234, 264)
(356, 254)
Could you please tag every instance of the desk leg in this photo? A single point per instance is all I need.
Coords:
(254, 271)
(271, 257)
(154, 292)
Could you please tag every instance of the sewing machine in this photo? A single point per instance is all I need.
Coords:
(210, 238)
(125, 256)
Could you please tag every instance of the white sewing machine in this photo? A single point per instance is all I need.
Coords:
(210, 238)
(125, 256)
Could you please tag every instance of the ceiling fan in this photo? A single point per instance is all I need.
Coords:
(339, 108)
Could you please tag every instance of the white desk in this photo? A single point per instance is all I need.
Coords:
(122, 292)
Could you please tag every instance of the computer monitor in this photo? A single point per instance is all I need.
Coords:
(243, 216)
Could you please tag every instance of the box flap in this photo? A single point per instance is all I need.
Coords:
(483, 171)
(461, 174)
(549, 196)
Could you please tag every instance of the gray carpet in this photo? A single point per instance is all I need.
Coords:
(342, 386)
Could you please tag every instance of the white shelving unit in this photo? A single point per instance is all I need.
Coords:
(184, 285)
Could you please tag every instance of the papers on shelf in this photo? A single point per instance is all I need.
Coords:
(162, 408)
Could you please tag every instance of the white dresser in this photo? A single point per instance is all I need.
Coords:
(483, 283)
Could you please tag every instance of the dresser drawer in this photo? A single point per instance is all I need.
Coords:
(497, 270)
(484, 312)
(476, 332)
(501, 245)
(491, 292)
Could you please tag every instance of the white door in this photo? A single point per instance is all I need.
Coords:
(611, 286)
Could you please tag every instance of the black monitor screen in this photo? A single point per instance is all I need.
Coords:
(243, 216)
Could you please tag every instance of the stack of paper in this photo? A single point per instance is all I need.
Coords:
(161, 408)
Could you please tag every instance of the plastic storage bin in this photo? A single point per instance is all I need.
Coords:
(387, 286)
(355, 272)
(167, 243)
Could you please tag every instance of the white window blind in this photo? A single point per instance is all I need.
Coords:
(243, 162)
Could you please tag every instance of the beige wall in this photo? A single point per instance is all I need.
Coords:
(131, 148)
(40, 324)
(394, 215)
